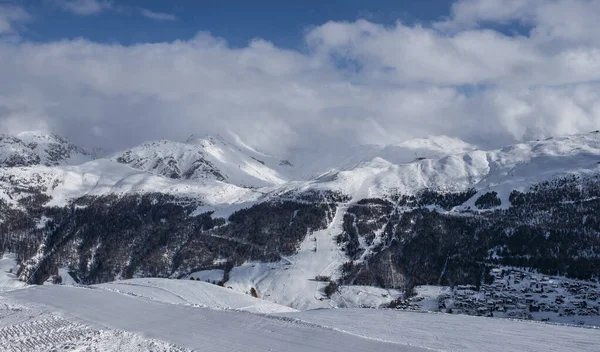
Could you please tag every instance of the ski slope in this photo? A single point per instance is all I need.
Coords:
(291, 282)
(8, 269)
(199, 329)
(446, 332)
(196, 293)
(61, 317)
(39, 329)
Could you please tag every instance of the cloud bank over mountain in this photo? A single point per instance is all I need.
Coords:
(469, 75)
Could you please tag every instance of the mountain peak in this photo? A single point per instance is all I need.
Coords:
(201, 158)
(36, 147)
(440, 143)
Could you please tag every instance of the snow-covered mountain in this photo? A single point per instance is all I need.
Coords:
(14, 152)
(38, 148)
(450, 165)
(355, 218)
(220, 171)
(207, 158)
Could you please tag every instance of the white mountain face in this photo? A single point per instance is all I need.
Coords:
(207, 158)
(445, 164)
(14, 152)
(38, 148)
(224, 173)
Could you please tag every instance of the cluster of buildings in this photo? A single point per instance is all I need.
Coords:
(520, 294)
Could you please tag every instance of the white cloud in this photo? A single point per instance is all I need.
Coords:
(564, 22)
(11, 16)
(414, 54)
(86, 7)
(159, 16)
(470, 13)
(403, 81)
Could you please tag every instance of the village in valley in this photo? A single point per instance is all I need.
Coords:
(516, 294)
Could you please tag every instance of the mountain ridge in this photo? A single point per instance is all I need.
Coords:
(212, 162)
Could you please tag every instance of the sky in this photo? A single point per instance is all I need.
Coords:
(286, 75)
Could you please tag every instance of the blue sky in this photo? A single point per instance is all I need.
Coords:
(324, 74)
(238, 21)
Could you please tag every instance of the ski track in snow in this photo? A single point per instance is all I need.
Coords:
(24, 329)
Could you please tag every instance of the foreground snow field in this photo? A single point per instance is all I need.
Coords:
(196, 328)
(446, 332)
(169, 315)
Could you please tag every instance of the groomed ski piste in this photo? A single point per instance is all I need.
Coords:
(181, 315)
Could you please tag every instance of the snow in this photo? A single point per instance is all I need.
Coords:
(45, 144)
(364, 296)
(196, 293)
(25, 329)
(291, 281)
(446, 332)
(8, 270)
(67, 279)
(440, 163)
(12, 147)
(513, 167)
(430, 295)
(102, 177)
(59, 317)
(186, 326)
(168, 310)
(203, 158)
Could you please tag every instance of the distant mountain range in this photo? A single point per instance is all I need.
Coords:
(221, 173)
(435, 210)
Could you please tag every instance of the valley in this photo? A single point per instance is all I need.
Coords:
(437, 228)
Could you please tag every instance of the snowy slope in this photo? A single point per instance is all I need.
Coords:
(102, 177)
(190, 327)
(210, 158)
(54, 150)
(14, 152)
(26, 328)
(219, 172)
(197, 293)
(513, 167)
(429, 147)
(8, 270)
(59, 315)
(291, 282)
(446, 332)
(39, 148)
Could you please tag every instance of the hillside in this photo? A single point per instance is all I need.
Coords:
(364, 232)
